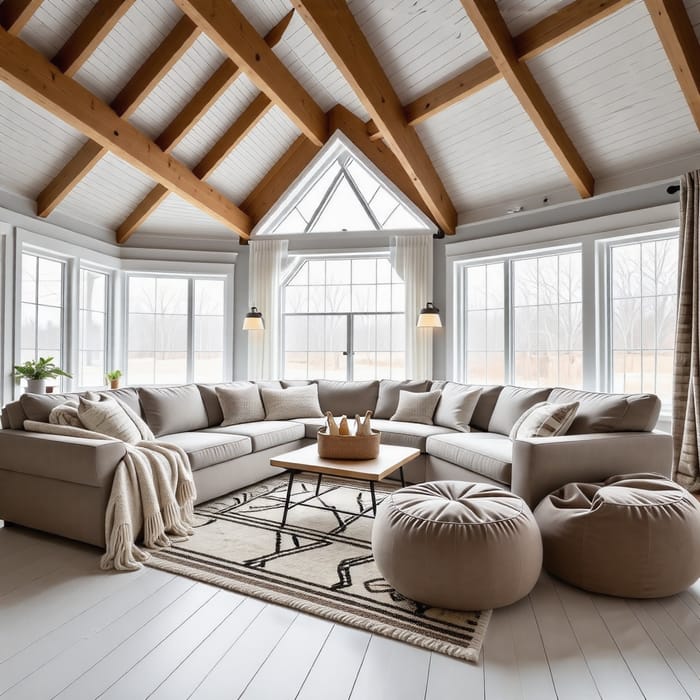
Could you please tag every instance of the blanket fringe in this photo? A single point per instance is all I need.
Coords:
(154, 535)
(122, 554)
(173, 522)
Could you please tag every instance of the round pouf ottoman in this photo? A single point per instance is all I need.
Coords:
(457, 545)
(635, 536)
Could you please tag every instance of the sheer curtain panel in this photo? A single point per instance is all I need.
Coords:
(264, 282)
(412, 258)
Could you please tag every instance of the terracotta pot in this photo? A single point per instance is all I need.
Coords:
(113, 383)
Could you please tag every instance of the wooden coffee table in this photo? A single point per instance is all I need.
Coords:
(306, 459)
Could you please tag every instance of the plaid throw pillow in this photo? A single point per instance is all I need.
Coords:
(545, 420)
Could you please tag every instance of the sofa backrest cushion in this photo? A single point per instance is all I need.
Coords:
(212, 405)
(388, 397)
(173, 409)
(295, 402)
(512, 402)
(286, 383)
(485, 405)
(609, 413)
(456, 406)
(129, 395)
(38, 406)
(347, 398)
(240, 404)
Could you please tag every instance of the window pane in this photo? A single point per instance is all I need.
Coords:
(171, 333)
(296, 300)
(296, 329)
(208, 366)
(28, 331)
(29, 265)
(142, 294)
(209, 297)
(50, 282)
(209, 333)
(142, 333)
(171, 296)
(49, 327)
(171, 367)
(92, 331)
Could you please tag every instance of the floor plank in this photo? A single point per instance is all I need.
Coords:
(334, 670)
(229, 678)
(284, 671)
(392, 671)
(570, 673)
(450, 679)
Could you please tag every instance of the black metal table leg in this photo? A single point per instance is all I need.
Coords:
(318, 483)
(289, 493)
(403, 481)
(374, 498)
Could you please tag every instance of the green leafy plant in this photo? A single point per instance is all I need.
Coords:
(113, 375)
(43, 368)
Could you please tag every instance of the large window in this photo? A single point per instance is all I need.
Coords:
(642, 311)
(175, 329)
(41, 302)
(344, 319)
(93, 332)
(522, 320)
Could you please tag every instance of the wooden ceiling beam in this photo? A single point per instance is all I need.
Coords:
(163, 58)
(28, 72)
(219, 81)
(548, 32)
(14, 14)
(492, 28)
(335, 27)
(682, 48)
(278, 179)
(228, 28)
(90, 33)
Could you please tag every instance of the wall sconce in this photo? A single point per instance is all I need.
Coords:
(429, 317)
(253, 320)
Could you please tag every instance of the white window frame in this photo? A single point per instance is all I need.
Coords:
(296, 262)
(191, 272)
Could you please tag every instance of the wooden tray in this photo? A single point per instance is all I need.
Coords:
(348, 446)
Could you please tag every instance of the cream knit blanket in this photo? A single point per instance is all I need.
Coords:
(152, 492)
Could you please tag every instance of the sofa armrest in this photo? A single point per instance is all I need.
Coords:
(78, 460)
(542, 465)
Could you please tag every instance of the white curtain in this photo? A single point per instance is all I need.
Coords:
(264, 281)
(412, 258)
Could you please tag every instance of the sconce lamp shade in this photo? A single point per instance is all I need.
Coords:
(253, 320)
(429, 317)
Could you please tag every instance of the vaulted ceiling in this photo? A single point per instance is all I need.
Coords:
(192, 117)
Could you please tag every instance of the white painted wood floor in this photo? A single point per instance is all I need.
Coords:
(69, 630)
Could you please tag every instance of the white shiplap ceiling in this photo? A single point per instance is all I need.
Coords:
(611, 86)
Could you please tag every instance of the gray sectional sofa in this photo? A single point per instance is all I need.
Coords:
(61, 484)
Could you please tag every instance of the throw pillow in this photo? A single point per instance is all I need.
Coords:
(109, 418)
(545, 420)
(241, 404)
(295, 402)
(388, 395)
(416, 407)
(456, 406)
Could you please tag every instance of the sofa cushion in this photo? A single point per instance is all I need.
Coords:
(609, 413)
(512, 402)
(286, 383)
(15, 415)
(264, 434)
(485, 405)
(312, 426)
(489, 454)
(456, 406)
(127, 394)
(416, 407)
(347, 398)
(240, 404)
(108, 418)
(295, 402)
(211, 400)
(205, 448)
(388, 397)
(406, 434)
(173, 409)
(38, 406)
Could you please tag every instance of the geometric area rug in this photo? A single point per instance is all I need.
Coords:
(320, 562)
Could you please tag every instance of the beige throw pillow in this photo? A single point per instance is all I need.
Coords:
(456, 406)
(294, 402)
(240, 404)
(545, 420)
(416, 407)
(109, 418)
(66, 414)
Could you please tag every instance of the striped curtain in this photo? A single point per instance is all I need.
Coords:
(686, 375)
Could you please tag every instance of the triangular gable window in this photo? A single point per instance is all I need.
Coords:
(341, 193)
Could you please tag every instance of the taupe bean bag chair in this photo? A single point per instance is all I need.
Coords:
(457, 545)
(635, 536)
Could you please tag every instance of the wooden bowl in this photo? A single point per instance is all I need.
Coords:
(348, 446)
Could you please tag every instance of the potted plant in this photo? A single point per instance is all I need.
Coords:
(36, 372)
(113, 378)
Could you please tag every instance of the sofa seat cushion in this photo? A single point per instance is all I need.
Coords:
(205, 449)
(264, 434)
(489, 454)
(312, 426)
(396, 432)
